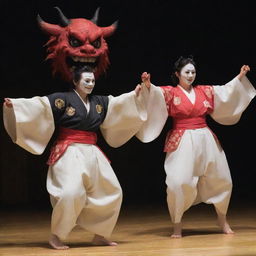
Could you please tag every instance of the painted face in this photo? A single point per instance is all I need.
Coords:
(86, 84)
(187, 75)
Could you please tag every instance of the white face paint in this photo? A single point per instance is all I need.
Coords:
(187, 75)
(86, 84)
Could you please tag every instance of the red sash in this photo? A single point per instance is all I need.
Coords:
(189, 123)
(179, 126)
(66, 137)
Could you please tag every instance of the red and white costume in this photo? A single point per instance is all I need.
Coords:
(196, 166)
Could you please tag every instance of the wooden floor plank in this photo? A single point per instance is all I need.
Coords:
(140, 231)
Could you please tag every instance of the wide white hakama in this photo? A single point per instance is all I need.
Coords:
(84, 190)
(197, 171)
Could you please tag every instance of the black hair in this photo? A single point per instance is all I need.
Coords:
(79, 70)
(179, 64)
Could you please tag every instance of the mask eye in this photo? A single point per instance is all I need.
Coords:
(74, 42)
(97, 43)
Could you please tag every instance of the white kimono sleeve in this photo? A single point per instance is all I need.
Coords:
(30, 123)
(231, 99)
(156, 115)
(125, 115)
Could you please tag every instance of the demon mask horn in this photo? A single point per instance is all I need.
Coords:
(53, 29)
(107, 31)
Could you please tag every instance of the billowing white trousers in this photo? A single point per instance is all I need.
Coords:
(84, 191)
(197, 172)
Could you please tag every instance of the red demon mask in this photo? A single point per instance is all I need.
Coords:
(77, 42)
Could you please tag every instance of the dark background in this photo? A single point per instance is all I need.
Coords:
(151, 35)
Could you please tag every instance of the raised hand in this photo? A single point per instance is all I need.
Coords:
(145, 77)
(8, 103)
(243, 71)
(137, 90)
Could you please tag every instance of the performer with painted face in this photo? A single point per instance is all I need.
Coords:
(195, 164)
(83, 188)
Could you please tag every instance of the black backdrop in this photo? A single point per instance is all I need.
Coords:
(151, 35)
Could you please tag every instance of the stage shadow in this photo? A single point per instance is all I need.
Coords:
(46, 245)
(166, 232)
(25, 245)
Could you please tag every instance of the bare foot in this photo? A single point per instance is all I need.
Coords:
(177, 228)
(224, 224)
(55, 243)
(101, 240)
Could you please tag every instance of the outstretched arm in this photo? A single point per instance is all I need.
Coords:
(142, 113)
(231, 99)
(29, 122)
(243, 71)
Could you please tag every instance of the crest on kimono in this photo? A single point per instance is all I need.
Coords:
(70, 111)
(176, 100)
(59, 103)
(99, 108)
(207, 104)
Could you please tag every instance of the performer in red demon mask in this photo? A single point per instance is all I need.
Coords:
(83, 188)
(195, 164)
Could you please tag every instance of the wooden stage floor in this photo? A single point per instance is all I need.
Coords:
(140, 231)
